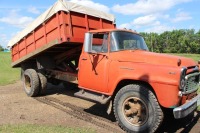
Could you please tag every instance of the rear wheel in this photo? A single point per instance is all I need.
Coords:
(31, 82)
(43, 83)
(137, 110)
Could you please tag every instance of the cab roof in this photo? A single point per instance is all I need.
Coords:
(110, 30)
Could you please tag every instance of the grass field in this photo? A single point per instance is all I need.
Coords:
(42, 129)
(195, 57)
(8, 75)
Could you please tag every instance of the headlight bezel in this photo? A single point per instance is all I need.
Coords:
(182, 82)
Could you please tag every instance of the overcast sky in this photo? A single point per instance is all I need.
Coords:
(140, 15)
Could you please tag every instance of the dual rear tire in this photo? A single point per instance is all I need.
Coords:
(34, 83)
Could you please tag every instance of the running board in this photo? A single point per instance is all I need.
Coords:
(100, 98)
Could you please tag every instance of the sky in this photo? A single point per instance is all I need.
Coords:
(140, 15)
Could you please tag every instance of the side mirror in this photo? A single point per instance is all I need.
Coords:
(88, 42)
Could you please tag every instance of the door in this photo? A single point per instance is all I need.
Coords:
(94, 66)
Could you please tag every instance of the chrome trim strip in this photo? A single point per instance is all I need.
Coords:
(183, 71)
(191, 75)
(127, 68)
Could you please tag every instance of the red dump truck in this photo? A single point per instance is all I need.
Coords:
(73, 43)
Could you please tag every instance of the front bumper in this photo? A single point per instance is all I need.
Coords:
(187, 108)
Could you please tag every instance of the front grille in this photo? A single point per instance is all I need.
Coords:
(192, 83)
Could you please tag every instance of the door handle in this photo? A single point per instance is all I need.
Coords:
(84, 58)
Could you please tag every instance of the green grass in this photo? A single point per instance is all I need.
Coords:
(195, 57)
(8, 75)
(25, 128)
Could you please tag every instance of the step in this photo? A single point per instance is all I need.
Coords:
(92, 96)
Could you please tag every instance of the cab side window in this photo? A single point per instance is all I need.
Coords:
(100, 43)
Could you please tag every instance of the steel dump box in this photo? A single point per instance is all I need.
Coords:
(61, 25)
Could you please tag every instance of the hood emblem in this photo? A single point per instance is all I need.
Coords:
(172, 73)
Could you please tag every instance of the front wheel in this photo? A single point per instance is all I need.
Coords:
(136, 109)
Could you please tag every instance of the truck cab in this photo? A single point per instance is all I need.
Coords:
(99, 56)
(117, 63)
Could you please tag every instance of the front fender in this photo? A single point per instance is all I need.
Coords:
(163, 80)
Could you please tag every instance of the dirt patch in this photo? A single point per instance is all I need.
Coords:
(17, 108)
(60, 107)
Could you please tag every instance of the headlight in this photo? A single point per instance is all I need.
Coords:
(182, 78)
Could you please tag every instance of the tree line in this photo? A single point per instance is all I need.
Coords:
(1, 48)
(176, 41)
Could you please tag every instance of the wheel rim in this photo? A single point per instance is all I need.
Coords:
(27, 83)
(135, 111)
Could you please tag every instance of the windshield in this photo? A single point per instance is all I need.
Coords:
(121, 40)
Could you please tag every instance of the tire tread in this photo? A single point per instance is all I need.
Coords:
(43, 83)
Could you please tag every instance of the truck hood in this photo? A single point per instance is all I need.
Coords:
(140, 56)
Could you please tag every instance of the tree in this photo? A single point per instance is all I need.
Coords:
(1, 48)
(176, 41)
